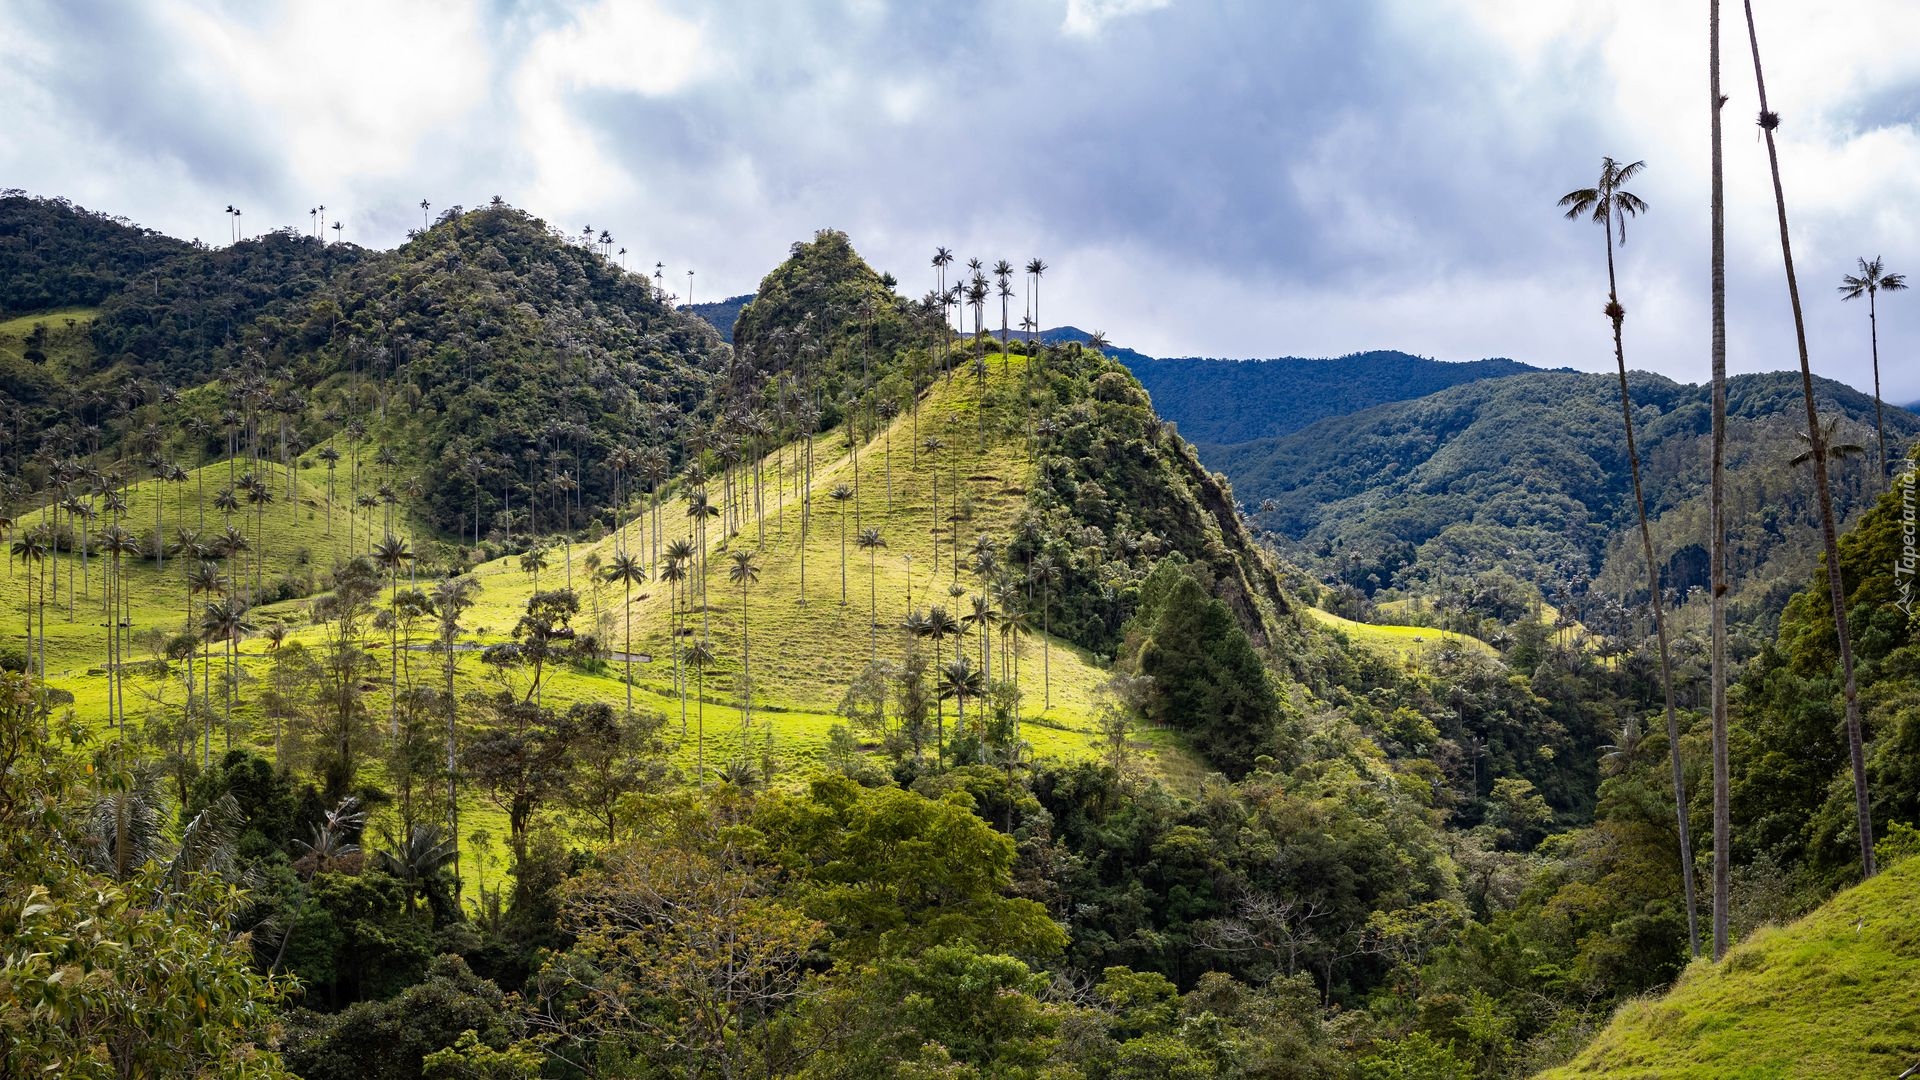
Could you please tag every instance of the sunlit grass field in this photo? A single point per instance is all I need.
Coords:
(1418, 643)
(801, 656)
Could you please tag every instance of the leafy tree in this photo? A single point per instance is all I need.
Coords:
(1208, 681)
(893, 873)
(612, 757)
(104, 978)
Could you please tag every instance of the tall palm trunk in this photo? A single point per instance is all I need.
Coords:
(1618, 316)
(1879, 417)
(1722, 812)
(1816, 436)
(626, 611)
(746, 670)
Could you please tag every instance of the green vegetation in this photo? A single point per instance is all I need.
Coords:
(517, 681)
(1834, 994)
(54, 254)
(1532, 469)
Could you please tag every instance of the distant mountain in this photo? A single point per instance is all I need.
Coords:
(721, 313)
(1529, 474)
(1232, 401)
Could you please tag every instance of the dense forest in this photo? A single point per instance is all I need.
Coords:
(1218, 403)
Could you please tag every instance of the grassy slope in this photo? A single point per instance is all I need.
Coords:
(803, 656)
(1402, 641)
(1834, 994)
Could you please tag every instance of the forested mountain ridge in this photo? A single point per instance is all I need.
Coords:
(55, 254)
(722, 313)
(1528, 474)
(1219, 402)
(515, 361)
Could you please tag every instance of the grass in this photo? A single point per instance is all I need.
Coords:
(1835, 994)
(1405, 642)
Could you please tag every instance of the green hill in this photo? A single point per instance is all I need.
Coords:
(1529, 474)
(1836, 993)
(54, 254)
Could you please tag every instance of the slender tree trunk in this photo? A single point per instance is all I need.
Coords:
(1722, 813)
(1836, 587)
(1879, 417)
(746, 668)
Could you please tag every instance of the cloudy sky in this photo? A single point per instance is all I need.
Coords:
(1205, 178)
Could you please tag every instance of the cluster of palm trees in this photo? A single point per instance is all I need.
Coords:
(972, 290)
(1609, 204)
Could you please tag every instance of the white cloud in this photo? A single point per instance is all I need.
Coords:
(615, 47)
(1086, 17)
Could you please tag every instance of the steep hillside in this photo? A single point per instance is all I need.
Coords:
(1529, 474)
(1835, 994)
(54, 254)
(1236, 401)
(500, 362)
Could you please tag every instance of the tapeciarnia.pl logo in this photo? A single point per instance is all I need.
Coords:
(1908, 563)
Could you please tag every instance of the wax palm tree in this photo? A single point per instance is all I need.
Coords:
(451, 599)
(390, 554)
(1717, 524)
(674, 572)
(226, 620)
(532, 561)
(870, 541)
(959, 681)
(1609, 204)
(942, 258)
(31, 547)
(1043, 571)
(698, 656)
(417, 859)
(424, 206)
(1835, 451)
(230, 545)
(1036, 268)
(331, 458)
(699, 510)
(841, 495)
(982, 617)
(1872, 280)
(933, 446)
(940, 626)
(627, 570)
(116, 544)
(1829, 531)
(743, 573)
